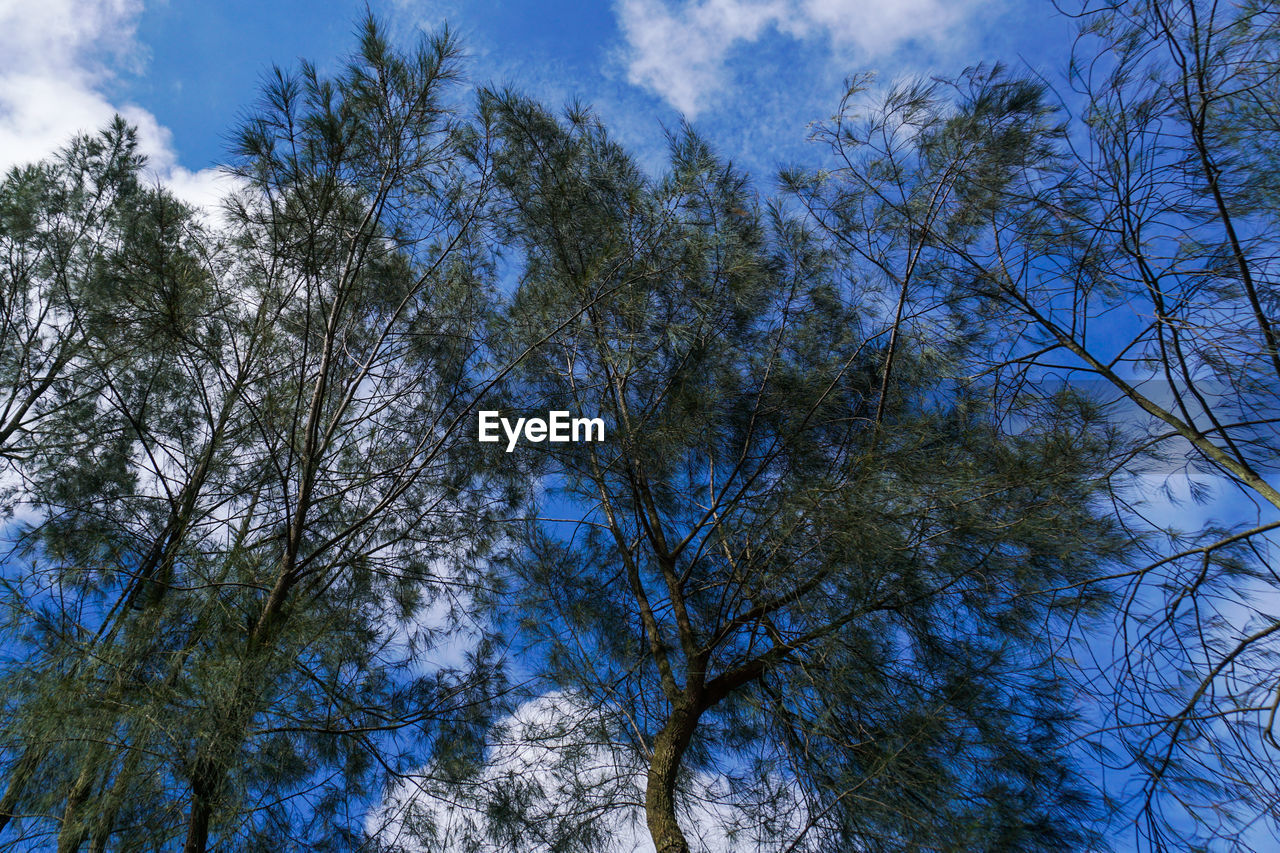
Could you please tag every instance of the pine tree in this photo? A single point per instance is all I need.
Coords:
(819, 586)
(1122, 242)
(75, 334)
(806, 560)
(228, 571)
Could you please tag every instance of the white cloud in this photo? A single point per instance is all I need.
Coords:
(682, 52)
(554, 762)
(57, 58)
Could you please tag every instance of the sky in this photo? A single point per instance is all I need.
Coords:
(751, 75)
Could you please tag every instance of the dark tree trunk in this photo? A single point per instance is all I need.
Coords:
(203, 785)
(18, 778)
(659, 800)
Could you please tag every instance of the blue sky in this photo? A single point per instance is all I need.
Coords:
(750, 74)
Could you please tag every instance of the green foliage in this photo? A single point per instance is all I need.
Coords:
(255, 485)
(1127, 252)
(820, 588)
(807, 559)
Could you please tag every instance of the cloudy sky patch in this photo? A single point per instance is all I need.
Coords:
(682, 51)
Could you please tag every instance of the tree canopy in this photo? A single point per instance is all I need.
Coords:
(865, 558)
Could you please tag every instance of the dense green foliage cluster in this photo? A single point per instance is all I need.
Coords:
(831, 582)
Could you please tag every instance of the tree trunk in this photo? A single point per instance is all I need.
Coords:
(74, 828)
(18, 778)
(659, 799)
(201, 809)
(221, 749)
(113, 801)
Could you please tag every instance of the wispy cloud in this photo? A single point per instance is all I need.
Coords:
(59, 57)
(682, 51)
(553, 760)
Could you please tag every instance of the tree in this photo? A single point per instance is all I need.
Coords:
(824, 584)
(73, 337)
(1127, 250)
(805, 560)
(60, 221)
(231, 591)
